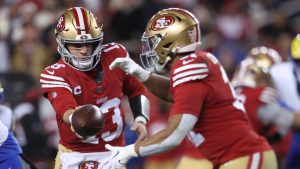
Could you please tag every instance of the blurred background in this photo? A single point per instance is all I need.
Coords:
(229, 28)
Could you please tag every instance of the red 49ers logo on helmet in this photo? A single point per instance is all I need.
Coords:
(88, 165)
(162, 23)
(60, 24)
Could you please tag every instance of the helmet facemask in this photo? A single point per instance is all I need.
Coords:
(149, 58)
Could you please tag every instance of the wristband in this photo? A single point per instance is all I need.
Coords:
(141, 119)
(130, 150)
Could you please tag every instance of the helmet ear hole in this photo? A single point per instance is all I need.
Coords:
(167, 45)
(179, 19)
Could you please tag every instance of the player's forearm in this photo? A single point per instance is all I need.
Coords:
(67, 115)
(140, 106)
(156, 144)
(172, 136)
(159, 86)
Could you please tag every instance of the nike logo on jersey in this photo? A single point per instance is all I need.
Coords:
(187, 61)
(50, 72)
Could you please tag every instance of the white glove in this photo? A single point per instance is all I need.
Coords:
(119, 158)
(280, 117)
(268, 96)
(130, 67)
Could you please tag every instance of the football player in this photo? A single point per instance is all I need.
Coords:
(82, 76)
(253, 83)
(286, 78)
(10, 150)
(203, 100)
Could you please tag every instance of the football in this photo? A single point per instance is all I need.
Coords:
(87, 120)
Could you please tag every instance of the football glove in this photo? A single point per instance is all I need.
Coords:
(119, 158)
(130, 67)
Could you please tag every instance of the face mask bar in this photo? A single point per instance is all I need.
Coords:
(89, 62)
(149, 57)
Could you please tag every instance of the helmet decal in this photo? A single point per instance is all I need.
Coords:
(83, 37)
(60, 24)
(80, 20)
(88, 164)
(162, 23)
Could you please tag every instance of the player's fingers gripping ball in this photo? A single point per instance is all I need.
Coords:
(87, 120)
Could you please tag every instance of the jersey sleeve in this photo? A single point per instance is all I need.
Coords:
(131, 86)
(188, 69)
(189, 98)
(114, 50)
(57, 90)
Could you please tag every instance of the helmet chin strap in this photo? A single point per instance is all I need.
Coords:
(189, 48)
(159, 67)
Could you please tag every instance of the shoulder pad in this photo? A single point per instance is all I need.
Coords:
(189, 68)
(53, 77)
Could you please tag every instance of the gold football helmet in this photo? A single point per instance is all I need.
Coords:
(254, 70)
(78, 25)
(168, 33)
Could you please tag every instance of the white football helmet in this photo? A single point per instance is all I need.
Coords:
(78, 25)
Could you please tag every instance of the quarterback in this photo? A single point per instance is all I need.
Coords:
(203, 100)
(82, 76)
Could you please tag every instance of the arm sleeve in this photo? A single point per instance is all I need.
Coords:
(140, 107)
(174, 139)
(138, 98)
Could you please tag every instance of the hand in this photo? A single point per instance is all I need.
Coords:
(119, 157)
(130, 67)
(77, 135)
(141, 130)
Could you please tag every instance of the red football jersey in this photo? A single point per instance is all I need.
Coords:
(253, 98)
(201, 87)
(67, 88)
